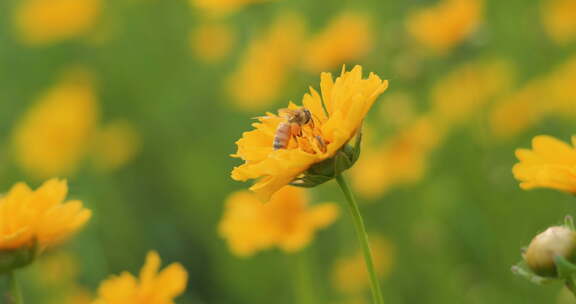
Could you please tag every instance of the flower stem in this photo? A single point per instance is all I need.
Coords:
(14, 288)
(363, 238)
(303, 277)
(570, 285)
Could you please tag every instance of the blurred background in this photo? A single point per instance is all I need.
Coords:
(138, 104)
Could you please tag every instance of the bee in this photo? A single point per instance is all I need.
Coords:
(292, 125)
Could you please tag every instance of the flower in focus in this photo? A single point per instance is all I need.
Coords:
(33, 220)
(212, 41)
(445, 25)
(55, 133)
(152, 287)
(222, 8)
(350, 275)
(466, 89)
(286, 221)
(559, 19)
(347, 38)
(550, 164)
(115, 145)
(43, 22)
(266, 64)
(347, 100)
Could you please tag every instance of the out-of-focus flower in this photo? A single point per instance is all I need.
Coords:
(443, 26)
(347, 38)
(350, 275)
(519, 110)
(33, 220)
(347, 100)
(41, 22)
(400, 160)
(58, 268)
(559, 19)
(266, 64)
(550, 164)
(466, 89)
(152, 286)
(53, 136)
(212, 41)
(560, 98)
(115, 145)
(222, 8)
(286, 221)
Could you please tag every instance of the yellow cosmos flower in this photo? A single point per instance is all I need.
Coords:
(347, 100)
(54, 134)
(39, 218)
(350, 275)
(347, 38)
(116, 144)
(48, 21)
(265, 66)
(212, 41)
(286, 221)
(550, 164)
(559, 19)
(152, 287)
(445, 25)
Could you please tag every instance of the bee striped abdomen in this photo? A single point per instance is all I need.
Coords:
(282, 136)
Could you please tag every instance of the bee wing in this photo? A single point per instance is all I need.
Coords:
(286, 112)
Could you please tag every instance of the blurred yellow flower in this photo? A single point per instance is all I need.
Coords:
(39, 218)
(401, 159)
(286, 221)
(560, 94)
(222, 8)
(48, 21)
(559, 19)
(266, 64)
(347, 100)
(443, 26)
(152, 287)
(462, 93)
(347, 38)
(212, 41)
(115, 144)
(550, 164)
(350, 275)
(54, 134)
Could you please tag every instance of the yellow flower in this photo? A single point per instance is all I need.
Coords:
(286, 221)
(560, 96)
(559, 19)
(39, 218)
(550, 164)
(350, 275)
(222, 8)
(347, 100)
(266, 64)
(53, 136)
(347, 38)
(48, 21)
(212, 41)
(152, 287)
(465, 90)
(115, 145)
(442, 27)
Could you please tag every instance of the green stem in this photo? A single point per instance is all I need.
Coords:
(14, 288)
(570, 285)
(363, 238)
(303, 277)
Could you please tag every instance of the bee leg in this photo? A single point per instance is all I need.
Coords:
(321, 143)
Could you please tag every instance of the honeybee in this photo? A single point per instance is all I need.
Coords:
(292, 128)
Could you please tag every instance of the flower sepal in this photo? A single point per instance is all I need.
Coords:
(18, 258)
(328, 169)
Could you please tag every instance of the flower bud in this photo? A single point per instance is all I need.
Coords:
(557, 241)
